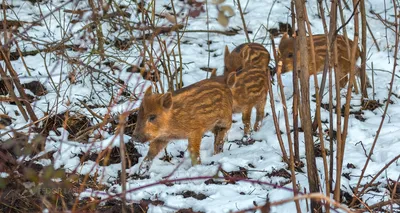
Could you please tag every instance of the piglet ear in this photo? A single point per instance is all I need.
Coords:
(285, 36)
(148, 92)
(226, 54)
(166, 100)
(213, 73)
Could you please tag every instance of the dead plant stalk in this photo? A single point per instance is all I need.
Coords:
(343, 27)
(348, 100)
(179, 47)
(276, 123)
(19, 87)
(363, 74)
(396, 46)
(243, 21)
(306, 124)
(318, 109)
(327, 70)
(291, 156)
(14, 97)
(123, 156)
(332, 30)
(296, 99)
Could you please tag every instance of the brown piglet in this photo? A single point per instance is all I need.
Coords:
(249, 63)
(246, 56)
(185, 114)
(250, 90)
(286, 53)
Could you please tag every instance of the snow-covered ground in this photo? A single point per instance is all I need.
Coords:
(260, 159)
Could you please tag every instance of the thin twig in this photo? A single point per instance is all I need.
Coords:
(385, 110)
(243, 21)
(285, 113)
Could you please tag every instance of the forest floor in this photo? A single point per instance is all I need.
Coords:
(74, 151)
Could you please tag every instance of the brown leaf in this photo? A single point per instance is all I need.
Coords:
(194, 13)
(228, 9)
(222, 19)
(170, 18)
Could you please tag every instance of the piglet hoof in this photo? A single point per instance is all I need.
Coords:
(195, 160)
(144, 168)
(247, 140)
(218, 149)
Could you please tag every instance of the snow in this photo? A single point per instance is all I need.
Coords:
(260, 158)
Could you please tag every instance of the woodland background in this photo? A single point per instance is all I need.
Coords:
(72, 77)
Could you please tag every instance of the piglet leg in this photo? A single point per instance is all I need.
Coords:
(260, 106)
(194, 147)
(220, 138)
(246, 121)
(155, 147)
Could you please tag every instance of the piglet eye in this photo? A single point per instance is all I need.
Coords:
(152, 118)
(290, 55)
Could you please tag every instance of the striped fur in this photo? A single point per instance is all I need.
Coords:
(249, 90)
(185, 114)
(248, 63)
(286, 53)
(246, 56)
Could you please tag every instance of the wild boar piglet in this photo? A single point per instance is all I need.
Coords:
(286, 55)
(185, 114)
(249, 63)
(246, 56)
